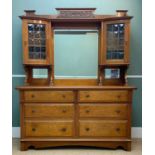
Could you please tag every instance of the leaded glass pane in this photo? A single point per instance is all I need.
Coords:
(115, 41)
(37, 41)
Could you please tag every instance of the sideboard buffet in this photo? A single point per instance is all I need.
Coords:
(85, 112)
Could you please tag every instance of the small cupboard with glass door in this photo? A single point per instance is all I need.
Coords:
(37, 37)
(37, 46)
(86, 112)
(114, 51)
(116, 42)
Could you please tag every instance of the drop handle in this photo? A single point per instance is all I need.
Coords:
(87, 129)
(32, 96)
(63, 96)
(87, 95)
(118, 111)
(119, 96)
(33, 111)
(33, 129)
(63, 129)
(87, 111)
(117, 129)
(64, 111)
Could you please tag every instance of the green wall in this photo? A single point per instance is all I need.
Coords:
(103, 7)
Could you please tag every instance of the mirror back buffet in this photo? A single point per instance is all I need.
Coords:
(85, 112)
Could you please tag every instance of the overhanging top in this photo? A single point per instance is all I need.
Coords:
(76, 15)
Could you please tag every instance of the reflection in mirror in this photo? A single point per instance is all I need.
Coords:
(76, 53)
(112, 73)
(40, 73)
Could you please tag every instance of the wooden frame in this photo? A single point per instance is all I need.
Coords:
(124, 61)
(49, 40)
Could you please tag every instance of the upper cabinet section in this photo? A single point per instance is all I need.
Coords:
(115, 42)
(37, 40)
(114, 30)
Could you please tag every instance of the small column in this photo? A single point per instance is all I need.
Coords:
(100, 76)
(51, 75)
(28, 75)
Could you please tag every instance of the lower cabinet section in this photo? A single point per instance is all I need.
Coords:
(48, 128)
(103, 128)
(75, 116)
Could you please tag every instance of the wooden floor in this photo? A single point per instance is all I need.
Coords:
(136, 150)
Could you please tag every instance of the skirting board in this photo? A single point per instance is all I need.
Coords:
(136, 132)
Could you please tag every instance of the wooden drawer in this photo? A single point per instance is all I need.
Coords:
(106, 128)
(48, 128)
(103, 110)
(104, 96)
(49, 96)
(49, 110)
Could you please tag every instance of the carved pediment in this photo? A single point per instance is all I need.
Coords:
(76, 12)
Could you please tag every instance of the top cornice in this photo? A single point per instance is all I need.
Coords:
(76, 14)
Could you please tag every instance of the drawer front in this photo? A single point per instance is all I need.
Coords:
(103, 110)
(107, 128)
(49, 110)
(104, 96)
(48, 128)
(49, 96)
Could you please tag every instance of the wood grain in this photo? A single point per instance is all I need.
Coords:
(103, 96)
(103, 128)
(118, 111)
(49, 110)
(49, 96)
(48, 128)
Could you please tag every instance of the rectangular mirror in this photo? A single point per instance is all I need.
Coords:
(76, 53)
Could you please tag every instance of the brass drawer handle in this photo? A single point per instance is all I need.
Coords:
(32, 96)
(63, 96)
(64, 110)
(87, 129)
(87, 111)
(33, 129)
(117, 129)
(118, 111)
(63, 129)
(88, 96)
(33, 111)
(119, 96)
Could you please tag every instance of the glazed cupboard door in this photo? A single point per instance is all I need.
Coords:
(37, 38)
(115, 42)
